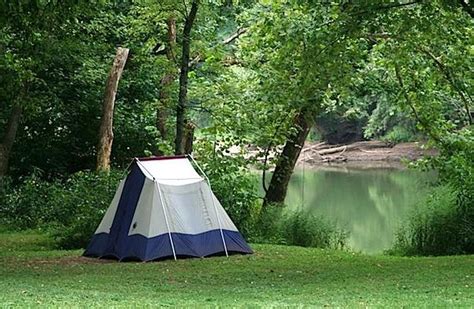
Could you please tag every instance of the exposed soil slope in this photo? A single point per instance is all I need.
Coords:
(370, 151)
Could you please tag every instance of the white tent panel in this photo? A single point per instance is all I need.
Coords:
(189, 210)
(108, 219)
(142, 217)
(177, 171)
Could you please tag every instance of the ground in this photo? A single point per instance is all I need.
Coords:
(31, 273)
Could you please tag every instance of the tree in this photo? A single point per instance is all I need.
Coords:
(25, 54)
(9, 138)
(183, 78)
(168, 78)
(106, 135)
(301, 52)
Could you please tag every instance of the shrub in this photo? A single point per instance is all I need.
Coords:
(306, 230)
(234, 186)
(70, 209)
(81, 204)
(445, 223)
(399, 134)
(298, 228)
(28, 205)
(438, 227)
(5, 189)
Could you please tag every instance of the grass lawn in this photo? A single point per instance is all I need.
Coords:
(31, 273)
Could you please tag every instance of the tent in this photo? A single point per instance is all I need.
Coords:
(164, 209)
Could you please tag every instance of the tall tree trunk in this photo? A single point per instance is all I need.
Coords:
(188, 137)
(161, 113)
(9, 138)
(171, 22)
(106, 135)
(166, 81)
(183, 79)
(278, 187)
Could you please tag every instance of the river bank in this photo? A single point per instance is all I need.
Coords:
(366, 153)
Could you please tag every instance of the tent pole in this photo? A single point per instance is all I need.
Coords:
(213, 203)
(166, 220)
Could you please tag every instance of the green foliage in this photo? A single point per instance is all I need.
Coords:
(445, 224)
(70, 209)
(439, 227)
(5, 188)
(28, 206)
(298, 228)
(302, 229)
(82, 202)
(341, 58)
(399, 134)
(234, 186)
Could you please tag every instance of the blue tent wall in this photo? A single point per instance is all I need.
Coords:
(115, 242)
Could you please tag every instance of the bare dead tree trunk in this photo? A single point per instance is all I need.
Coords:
(9, 138)
(278, 187)
(183, 79)
(106, 135)
(166, 81)
(171, 22)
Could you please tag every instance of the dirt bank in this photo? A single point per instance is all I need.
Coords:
(371, 151)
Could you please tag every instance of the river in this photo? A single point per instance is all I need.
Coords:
(369, 203)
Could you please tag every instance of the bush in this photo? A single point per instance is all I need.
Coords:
(306, 230)
(234, 186)
(70, 210)
(5, 189)
(298, 228)
(439, 227)
(445, 223)
(82, 202)
(399, 134)
(28, 206)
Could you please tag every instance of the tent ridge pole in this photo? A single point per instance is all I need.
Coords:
(213, 203)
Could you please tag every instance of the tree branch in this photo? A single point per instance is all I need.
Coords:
(388, 7)
(447, 74)
(412, 107)
(234, 36)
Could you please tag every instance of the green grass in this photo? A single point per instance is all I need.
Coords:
(32, 274)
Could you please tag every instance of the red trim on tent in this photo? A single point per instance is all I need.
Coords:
(161, 158)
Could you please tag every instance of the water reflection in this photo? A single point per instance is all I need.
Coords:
(369, 203)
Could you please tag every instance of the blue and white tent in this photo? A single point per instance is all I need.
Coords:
(162, 209)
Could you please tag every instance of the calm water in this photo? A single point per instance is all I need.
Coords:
(369, 203)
